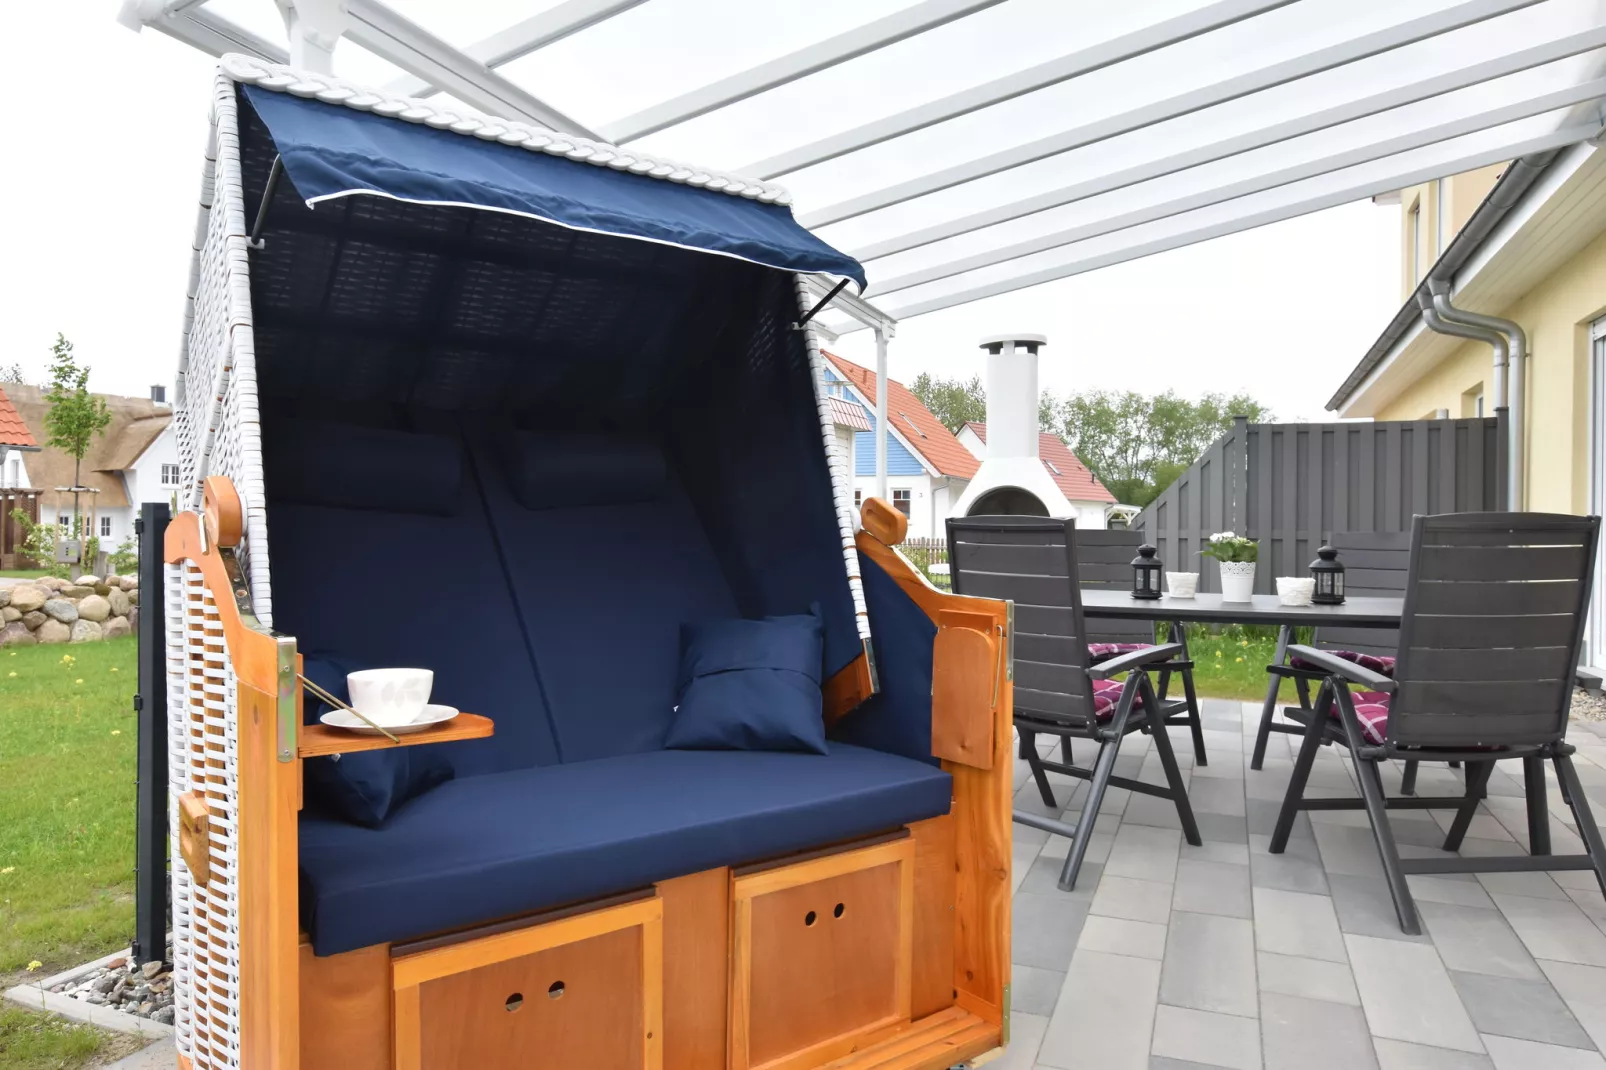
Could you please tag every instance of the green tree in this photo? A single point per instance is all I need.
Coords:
(10, 373)
(75, 417)
(1138, 445)
(953, 401)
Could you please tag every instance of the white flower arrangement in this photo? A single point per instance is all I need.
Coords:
(1228, 546)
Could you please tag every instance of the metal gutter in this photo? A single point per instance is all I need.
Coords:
(1505, 195)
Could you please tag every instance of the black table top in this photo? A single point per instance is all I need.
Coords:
(1264, 609)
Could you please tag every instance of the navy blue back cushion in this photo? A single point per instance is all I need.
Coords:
(602, 591)
(897, 719)
(405, 588)
(321, 463)
(750, 685)
(364, 787)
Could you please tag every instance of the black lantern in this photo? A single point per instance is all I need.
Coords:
(1146, 573)
(1328, 572)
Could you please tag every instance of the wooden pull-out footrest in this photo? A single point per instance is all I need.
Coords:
(581, 991)
(822, 953)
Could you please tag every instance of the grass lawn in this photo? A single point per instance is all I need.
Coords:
(1231, 662)
(67, 735)
(22, 573)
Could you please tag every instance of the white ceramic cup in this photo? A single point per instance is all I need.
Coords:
(1295, 590)
(1182, 584)
(390, 697)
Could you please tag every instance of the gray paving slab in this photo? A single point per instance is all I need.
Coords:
(1527, 1010)
(1308, 1034)
(1210, 964)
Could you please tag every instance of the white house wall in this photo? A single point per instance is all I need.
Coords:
(13, 469)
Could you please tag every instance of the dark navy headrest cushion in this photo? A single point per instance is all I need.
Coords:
(351, 467)
(559, 470)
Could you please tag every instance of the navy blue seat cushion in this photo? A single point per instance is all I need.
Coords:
(488, 847)
(602, 590)
(403, 587)
(366, 786)
(751, 685)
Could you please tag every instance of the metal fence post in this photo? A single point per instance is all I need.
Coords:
(150, 704)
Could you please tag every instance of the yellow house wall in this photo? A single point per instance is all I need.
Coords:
(1556, 314)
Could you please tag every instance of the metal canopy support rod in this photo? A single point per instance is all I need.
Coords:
(526, 36)
(821, 303)
(1538, 104)
(1314, 203)
(255, 241)
(889, 30)
(1466, 13)
(856, 307)
(419, 52)
(1096, 57)
(1498, 67)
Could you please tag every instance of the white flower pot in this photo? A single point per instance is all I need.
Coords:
(1237, 581)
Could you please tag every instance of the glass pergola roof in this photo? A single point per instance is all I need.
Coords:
(967, 148)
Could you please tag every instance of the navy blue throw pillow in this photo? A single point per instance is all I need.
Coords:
(365, 787)
(750, 685)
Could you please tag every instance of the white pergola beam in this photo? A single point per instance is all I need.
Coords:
(1095, 57)
(202, 30)
(1466, 13)
(528, 35)
(1316, 202)
(888, 30)
(1498, 67)
(423, 55)
(1527, 108)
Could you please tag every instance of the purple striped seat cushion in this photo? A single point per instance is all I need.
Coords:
(1097, 652)
(1377, 663)
(1106, 695)
(1372, 709)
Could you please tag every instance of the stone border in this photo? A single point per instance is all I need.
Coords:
(36, 996)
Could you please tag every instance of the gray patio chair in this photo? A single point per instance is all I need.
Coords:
(1104, 559)
(1032, 562)
(1489, 641)
(1375, 564)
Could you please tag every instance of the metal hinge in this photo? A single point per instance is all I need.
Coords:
(139, 525)
(139, 703)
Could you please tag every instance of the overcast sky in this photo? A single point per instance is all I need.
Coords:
(107, 129)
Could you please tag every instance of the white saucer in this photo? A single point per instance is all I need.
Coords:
(432, 715)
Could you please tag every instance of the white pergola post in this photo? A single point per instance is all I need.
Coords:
(881, 336)
(315, 27)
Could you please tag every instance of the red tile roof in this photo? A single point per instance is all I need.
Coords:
(1073, 478)
(913, 422)
(13, 432)
(847, 413)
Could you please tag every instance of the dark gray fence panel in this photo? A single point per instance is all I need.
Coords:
(1291, 486)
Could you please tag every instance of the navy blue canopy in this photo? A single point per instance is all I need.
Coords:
(330, 151)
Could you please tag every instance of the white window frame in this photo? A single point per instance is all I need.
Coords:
(105, 527)
(176, 475)
(1595, 646)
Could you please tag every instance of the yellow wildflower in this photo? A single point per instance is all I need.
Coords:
(117, 731)
(114, 668)
(12, 675)
(67, 659)
(8, 869)
(78, 681)
(35, 965)
(1238, 659)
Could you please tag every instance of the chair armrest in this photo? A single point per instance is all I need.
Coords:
(1137, 659)
(1336, 666)
(1293, 672)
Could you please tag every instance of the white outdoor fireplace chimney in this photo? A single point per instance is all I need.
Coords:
(1012, 480)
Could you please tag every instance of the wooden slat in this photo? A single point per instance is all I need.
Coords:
(1378, 581)
(1472, 633)
(1383, 560)
(696, 968)
(1473, 598)
(1045, 677)
(1350, 542)
(1051, 591)
(1510, 727)
(1496, 534)
(1027, 534)
(320, 739)
(1515, 663)
(1502, 562)
(346, 1009)
(1095, 574)
(1031, 560)
(1054, 649)
(932, 974)
(1046, 620)
(966, 663)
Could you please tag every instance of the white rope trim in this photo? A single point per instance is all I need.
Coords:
(332, 90)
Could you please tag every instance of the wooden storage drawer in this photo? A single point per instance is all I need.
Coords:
(821, 955)
(581, 991)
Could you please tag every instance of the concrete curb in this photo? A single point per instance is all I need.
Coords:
(38, 997)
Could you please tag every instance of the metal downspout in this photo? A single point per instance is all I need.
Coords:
(1496, 341)
(1516, 372)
